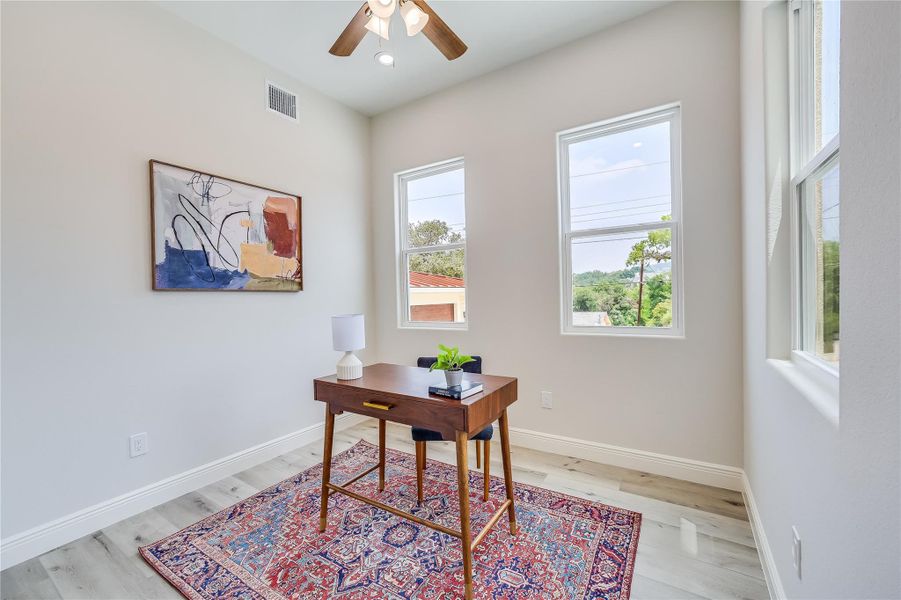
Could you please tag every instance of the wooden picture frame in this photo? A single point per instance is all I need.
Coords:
(216, 233)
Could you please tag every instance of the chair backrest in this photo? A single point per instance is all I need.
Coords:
(474, 367)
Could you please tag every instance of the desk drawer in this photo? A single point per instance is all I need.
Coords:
(439, 415)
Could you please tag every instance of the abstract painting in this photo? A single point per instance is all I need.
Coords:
(214, 233)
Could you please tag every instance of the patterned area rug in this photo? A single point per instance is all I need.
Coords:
(268, 546)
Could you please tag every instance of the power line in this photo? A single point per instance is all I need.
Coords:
(572, 208)
(620, 169)
(432, 197)
(622, 208)
(596, 241)
(581, 218)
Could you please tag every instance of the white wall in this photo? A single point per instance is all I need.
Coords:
(91, 91)
(677, 397)
(838, 482)
(91, 355)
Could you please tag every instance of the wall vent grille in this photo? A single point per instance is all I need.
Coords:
(281, 101)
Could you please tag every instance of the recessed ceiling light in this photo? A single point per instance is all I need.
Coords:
(386, 59)
(636, 145)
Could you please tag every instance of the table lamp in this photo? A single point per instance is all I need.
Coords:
(348, 334)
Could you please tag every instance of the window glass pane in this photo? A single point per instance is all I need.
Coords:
(615, 274)
(820, 263)
(437, 289)
(826, 71)
(435, 209)
(620, 178)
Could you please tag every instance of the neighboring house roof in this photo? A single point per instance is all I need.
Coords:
(591, 319)
(429, 280)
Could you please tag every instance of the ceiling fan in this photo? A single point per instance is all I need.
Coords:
(418, 16)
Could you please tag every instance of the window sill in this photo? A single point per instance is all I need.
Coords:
(817, 385)
(434, 327)
(642, 332)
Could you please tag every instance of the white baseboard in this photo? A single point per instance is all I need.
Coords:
(37, 540)
(685, 469)
(773, 581)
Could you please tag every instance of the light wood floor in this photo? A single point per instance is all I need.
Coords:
(695, 540)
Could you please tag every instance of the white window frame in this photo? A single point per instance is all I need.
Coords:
(404, 251)
(672, 114)
(805, 162)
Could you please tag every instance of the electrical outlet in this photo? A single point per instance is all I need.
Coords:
(547, 400)
(138, 444)
(796, 551)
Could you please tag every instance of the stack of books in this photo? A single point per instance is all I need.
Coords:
(457, 392)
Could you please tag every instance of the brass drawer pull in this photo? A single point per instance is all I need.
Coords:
(377, 405)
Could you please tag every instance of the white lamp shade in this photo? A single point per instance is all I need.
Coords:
(413, 17)
(378, 26)
(348, 333)
(382, 8)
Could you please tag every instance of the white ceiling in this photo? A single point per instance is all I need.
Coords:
(294, 37)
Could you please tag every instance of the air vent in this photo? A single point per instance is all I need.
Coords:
(281, 101)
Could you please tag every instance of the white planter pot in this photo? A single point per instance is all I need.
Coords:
(454, 377)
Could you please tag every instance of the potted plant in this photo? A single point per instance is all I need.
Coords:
(451, 362)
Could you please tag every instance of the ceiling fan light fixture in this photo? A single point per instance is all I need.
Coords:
(384, 58)
(382, 8)
(414, 18)
(378, 26)
(418, 17)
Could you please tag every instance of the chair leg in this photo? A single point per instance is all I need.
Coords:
(420, 466)
(424, 461)
(487, 470)
(478, 454)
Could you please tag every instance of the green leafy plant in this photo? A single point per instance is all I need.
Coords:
(450, 359)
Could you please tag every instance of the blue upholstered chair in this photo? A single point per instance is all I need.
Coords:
(421, 436)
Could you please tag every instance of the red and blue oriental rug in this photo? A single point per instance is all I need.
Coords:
(269, 547)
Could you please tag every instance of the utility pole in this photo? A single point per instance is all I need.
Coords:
(640, 288)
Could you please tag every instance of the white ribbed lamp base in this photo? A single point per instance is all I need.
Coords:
(349, 367)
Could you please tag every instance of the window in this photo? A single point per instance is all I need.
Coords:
(432, 246)
(620, 225)
(815, 179)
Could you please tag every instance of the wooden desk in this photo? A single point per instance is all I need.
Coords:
(401, 394)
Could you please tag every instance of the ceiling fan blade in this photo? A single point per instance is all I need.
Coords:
(440, 34)
(352, 34)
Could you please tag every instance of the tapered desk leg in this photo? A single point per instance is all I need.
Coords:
(463, 489)
(326, 466)
(508, 469)
(381, 455)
